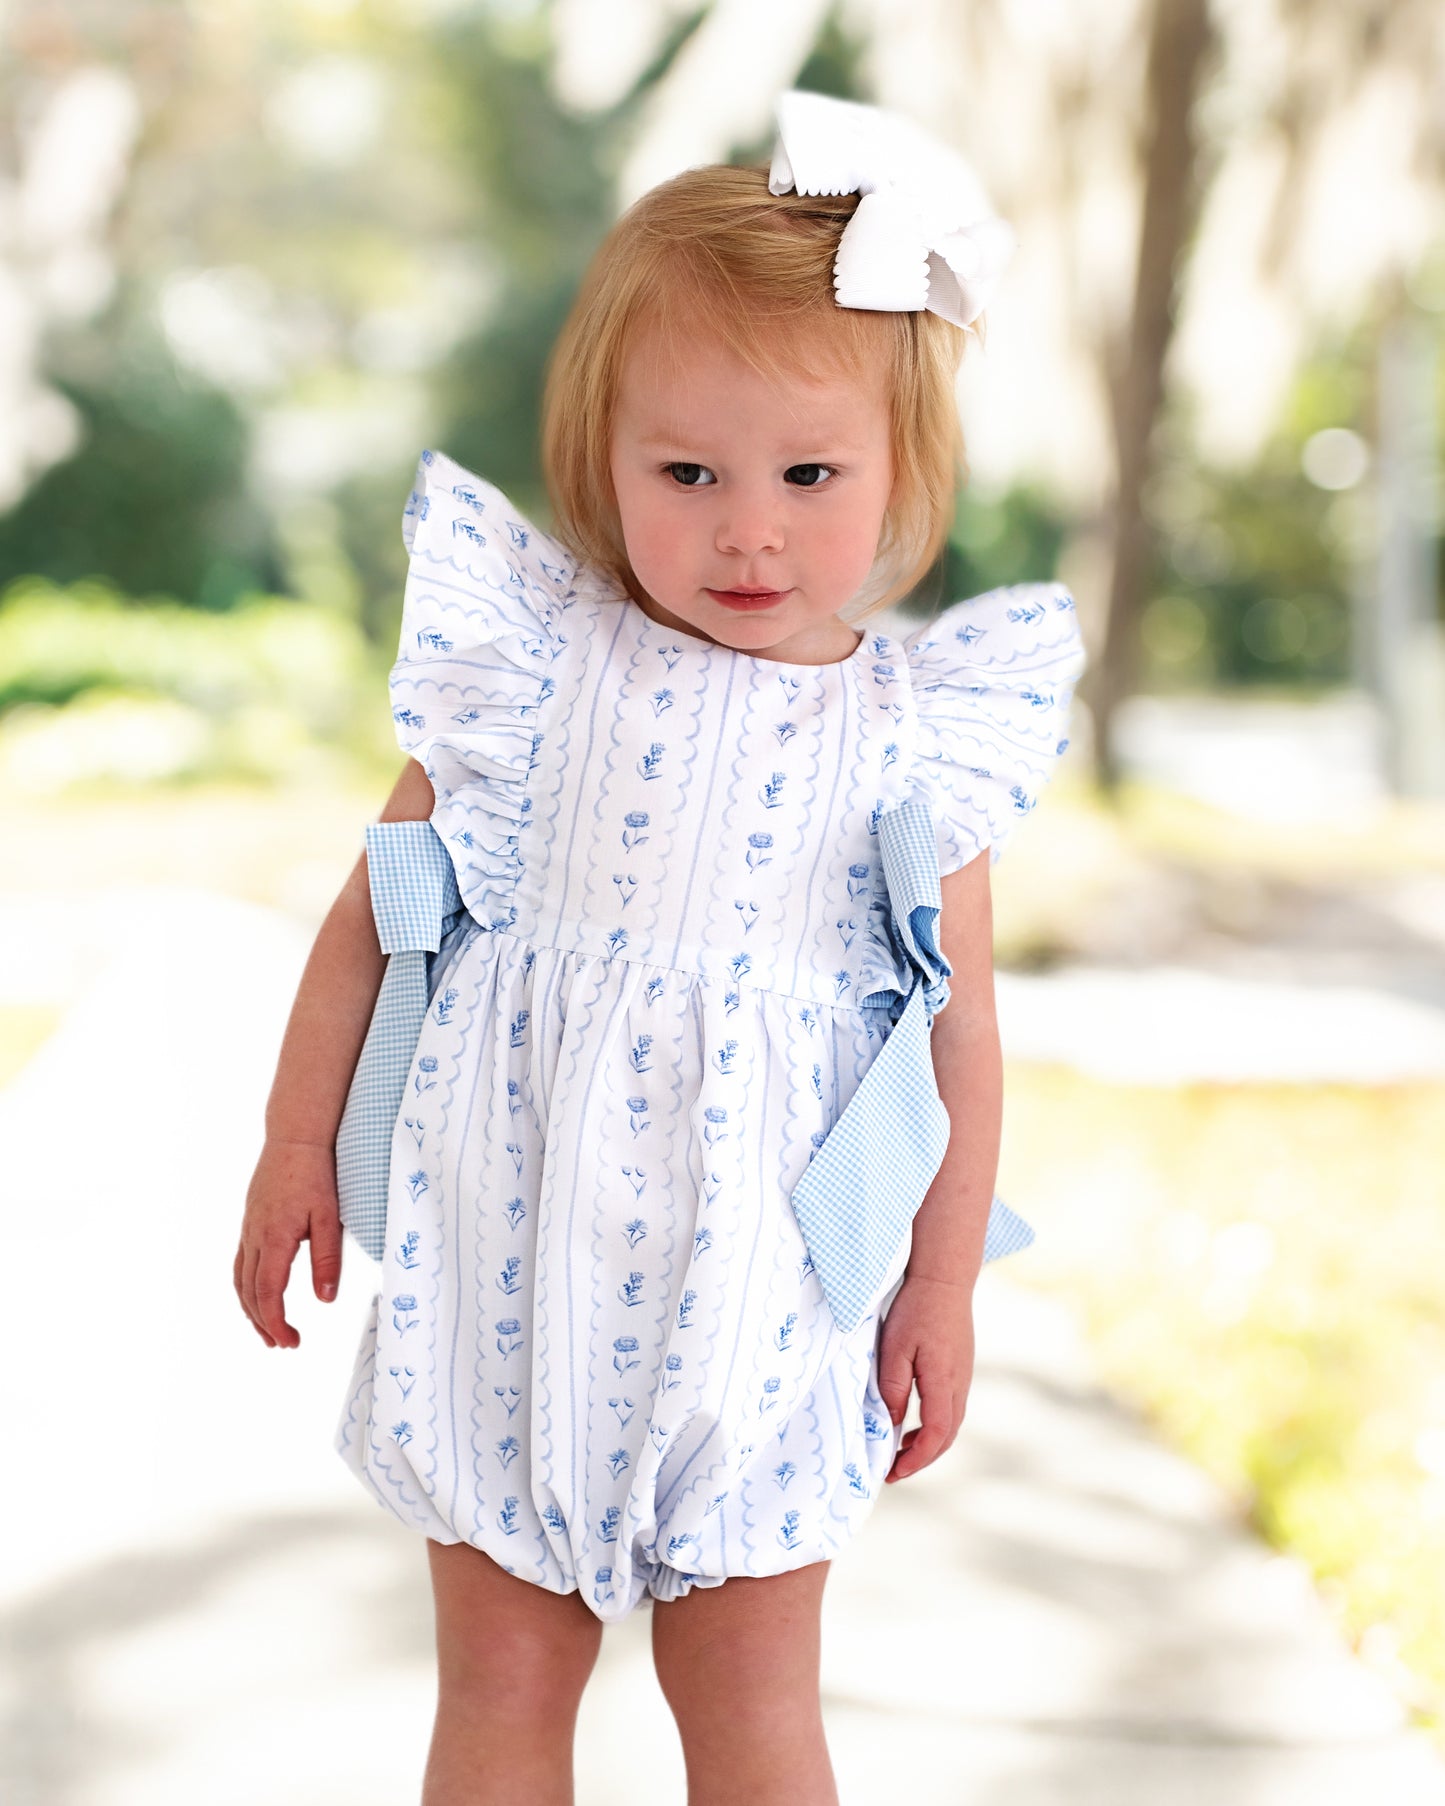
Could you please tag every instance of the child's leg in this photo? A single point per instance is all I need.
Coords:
(512, 1660)
(738, 1664)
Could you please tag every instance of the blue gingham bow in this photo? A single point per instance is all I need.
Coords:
(863, 1186)
(415, 900)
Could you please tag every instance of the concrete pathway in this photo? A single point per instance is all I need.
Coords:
(200, 1606)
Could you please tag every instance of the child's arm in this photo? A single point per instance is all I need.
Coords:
(292, 1195)
(928, 1332)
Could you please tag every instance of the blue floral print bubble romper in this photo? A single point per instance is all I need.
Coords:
(598, 1349)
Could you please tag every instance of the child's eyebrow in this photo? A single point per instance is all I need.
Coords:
(814, 442)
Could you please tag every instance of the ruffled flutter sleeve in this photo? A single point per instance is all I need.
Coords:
(993, 678)
(482, 621)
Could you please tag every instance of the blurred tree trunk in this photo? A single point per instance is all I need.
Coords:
(1181, 37)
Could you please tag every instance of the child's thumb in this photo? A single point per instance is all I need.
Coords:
(895, 1382)
(326, 1253)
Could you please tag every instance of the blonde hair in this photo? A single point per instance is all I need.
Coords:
(712, 251)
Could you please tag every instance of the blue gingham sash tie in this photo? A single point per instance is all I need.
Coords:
(415, 901)
(857, 1200)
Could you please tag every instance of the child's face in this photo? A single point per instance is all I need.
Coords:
(727, 480)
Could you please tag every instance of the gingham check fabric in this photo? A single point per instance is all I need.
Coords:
(858, 1197)
(415, 900)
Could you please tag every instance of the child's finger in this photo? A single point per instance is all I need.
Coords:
(325, 1238)
(895, 1380)
(248, 1292)
(272, 1271)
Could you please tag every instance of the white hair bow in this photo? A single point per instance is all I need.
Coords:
(923, 234)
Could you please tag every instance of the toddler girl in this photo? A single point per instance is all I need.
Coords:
(678, 1179)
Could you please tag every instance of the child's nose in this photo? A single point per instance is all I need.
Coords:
(750, 525)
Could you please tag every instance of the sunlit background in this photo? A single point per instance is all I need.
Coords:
(254, 258)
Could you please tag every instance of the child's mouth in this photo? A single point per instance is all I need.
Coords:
(748, 599)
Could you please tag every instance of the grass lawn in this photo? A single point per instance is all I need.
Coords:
(1260, 1270)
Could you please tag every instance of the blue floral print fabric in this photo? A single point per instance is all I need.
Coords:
(601, 1349)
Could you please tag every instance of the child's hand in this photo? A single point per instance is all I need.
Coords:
(292, 1199)
(927, 1336)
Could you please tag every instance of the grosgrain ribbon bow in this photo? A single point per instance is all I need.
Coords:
(923, 234)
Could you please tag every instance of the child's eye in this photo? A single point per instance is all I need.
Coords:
(809, 479)
(689, 475)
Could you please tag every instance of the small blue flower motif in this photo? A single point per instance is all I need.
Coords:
(702, 1240)
(633, 824)
(783, 1472)
(634, 1231)
(726, 1057)
(1022, 801)
(874, 1427)
(748, 912)
(445, 1004)
(654, 988)
(403, 1387)
(402, 1432)
(507, 1450)
(856, 1483)
(817, 1076)
(714, 1116)
(806, 1266)
(618, 1461)
(637, 1112)
(417, 1127)
(685, 1310)
(425, 1067)
(771, 794)
(516, 1034)
(403, 1305)
(676, 1545)
(757, 854)
(626, 887)
(673, 1364)
(509, 1336)
(740, 965)
(858, 881)
(788, 1531)
(1062, 748)
(1026, 615)
(416, 1184)
(553, 1519)
(785, 731)
(607, 1524)
(406, 1251)
(519, 534)
(514, 1096)
(515, 1210)
(630, 1291)
(659, 1434)
(408, 718)
(770, 1389)
(662, 700)
(843, 980)
(508, 1280)
(615, 941)
(970, 635)
(784, 1333)
(624, 1345)
(507, 1516)
(624, 1408)
(641, 1050)
(511, 1397)
(468, 531)
(890, 754)
(650, 764)
(715, 1502)
(602, 1590)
